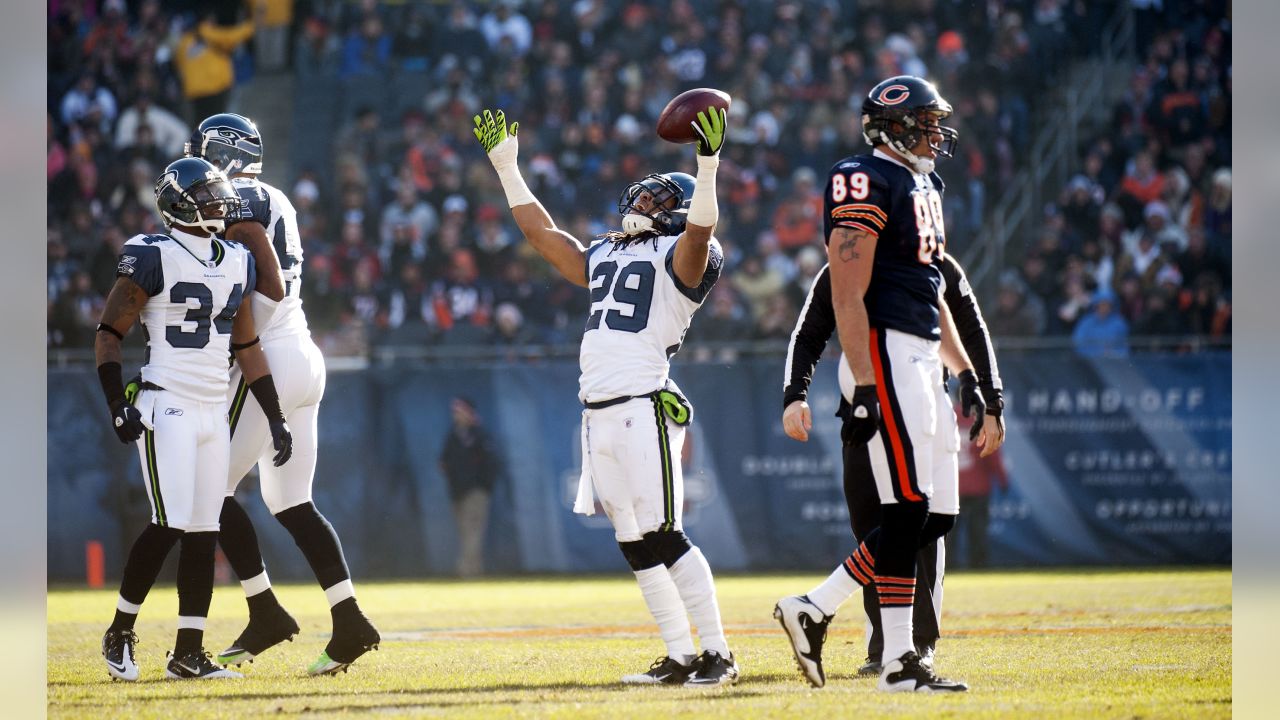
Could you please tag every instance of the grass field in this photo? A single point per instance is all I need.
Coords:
(1091, 644)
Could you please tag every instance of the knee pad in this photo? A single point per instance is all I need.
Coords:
(935, 526)
(638, 555)
(668, 545)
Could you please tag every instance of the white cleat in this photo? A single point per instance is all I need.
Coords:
(806, 628)
(117, 650)
(908, 674)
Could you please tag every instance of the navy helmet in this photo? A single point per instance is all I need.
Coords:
(192, 193)
(670, 195)
(229, 141)
(898, 112)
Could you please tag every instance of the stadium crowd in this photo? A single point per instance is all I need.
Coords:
(406, 238)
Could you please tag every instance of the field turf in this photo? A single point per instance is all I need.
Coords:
(1060, 644)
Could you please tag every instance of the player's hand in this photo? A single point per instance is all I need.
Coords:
(132, 388)
(282, 441)
(971, 402)
(863, 419)
(992, 436)
(496, 138)
(797, 421)
(126, 421)
(710, 128)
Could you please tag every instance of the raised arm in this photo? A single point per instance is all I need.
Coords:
(252, 235)
(562, 250)
(692, 250)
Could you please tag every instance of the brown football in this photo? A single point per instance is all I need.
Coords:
(673, 123)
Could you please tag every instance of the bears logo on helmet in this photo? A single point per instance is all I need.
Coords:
(902, 110)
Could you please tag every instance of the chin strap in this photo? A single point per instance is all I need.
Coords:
(635, 224)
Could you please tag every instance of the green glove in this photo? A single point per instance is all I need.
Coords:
(710, 130)
(132, 388)
(491, 130)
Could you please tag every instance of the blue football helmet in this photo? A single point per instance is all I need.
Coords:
(192, 193)
(229, 141)
(670, 195)
(901, 110)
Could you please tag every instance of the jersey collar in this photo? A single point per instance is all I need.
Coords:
(206, 250)
(886, 156)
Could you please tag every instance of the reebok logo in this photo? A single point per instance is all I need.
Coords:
(173, 411)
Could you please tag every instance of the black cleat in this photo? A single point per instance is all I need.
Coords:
(908, 674)
(871, 667)
(196, 666)
(117, 650)
(712, 668)
(264, 631)
(663, 671)
(352, 638)
(806, 628)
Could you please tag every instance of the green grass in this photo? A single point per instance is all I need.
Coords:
(1058, 644)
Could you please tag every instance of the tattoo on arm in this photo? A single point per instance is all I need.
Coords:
(124, 304)
(847, 240)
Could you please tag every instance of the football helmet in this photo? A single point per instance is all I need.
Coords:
(229, 141)
(669, 198)
(898, 112)
(192, 193)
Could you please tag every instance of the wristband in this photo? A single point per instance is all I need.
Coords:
(103, 327)
(112, 379)
(513, 185)
(264, 391)
(703, 209)
(237, 347)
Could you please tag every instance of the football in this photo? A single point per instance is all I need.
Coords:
(673, 123)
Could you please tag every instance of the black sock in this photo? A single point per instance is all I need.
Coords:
(263, 602)
(318, 542)
(146, 557)
(345, 610)
(189, 641)
(195, 585)
(239, 541)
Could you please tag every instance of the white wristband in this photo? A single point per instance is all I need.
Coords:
(513, 185)
(703, 209)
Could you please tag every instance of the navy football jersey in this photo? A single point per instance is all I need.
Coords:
(904, 210)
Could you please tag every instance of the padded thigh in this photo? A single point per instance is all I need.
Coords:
(638, 555)
(668, 545)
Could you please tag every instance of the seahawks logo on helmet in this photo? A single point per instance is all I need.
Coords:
(231, 142)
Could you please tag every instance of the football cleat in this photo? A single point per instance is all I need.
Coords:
(264, 631)
(117, 650)
(712, 668)
(907, 674)
(351, 639)
(926, 657)
(663, 671)
(196, 666)
(806, 628)
(872, 666)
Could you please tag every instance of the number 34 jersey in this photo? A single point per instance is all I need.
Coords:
(193, 302)
(639, 313)
(903, 209)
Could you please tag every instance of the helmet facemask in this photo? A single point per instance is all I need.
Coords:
(902, 131)
(205, 205)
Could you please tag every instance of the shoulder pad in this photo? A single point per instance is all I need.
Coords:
(145, 239)
(863, 164)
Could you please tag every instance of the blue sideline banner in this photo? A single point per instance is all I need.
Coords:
(1110, 462)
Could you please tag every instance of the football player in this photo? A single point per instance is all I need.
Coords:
(885, 243)
(268, 225)
(806, 624)
(188, 289)
(646, 281)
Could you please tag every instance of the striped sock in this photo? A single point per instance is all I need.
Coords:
(896, 597)
(857, 571)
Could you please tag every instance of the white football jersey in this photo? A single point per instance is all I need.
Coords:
(269, 207)
(195, 287)
(639, 314)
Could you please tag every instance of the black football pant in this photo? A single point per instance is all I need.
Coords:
(864, 516)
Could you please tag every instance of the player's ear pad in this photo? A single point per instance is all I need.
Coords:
(668, 545)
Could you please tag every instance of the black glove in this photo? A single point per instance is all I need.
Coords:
(971, 402)
(863, 419)
(282, 441)
(993, 397)
(126, 421)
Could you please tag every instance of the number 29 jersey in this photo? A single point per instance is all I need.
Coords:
(639, 314)
(903, 209)
(193, 302)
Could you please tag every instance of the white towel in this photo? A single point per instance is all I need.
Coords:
(585, 503)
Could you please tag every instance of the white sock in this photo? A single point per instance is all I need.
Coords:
(896, 622)
(663, 599)
(340, 591)
(190, 622)
(831, 593)
(692, 577)
(125, 606)
(257, 584)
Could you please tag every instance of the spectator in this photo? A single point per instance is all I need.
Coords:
(89, 102)
(76, 312)
(506, 31)
(463, 304)
(1102, 333)
(168, 131)
(509, 330)
(977, 475)
(414, 217)
(367, 51)
(1017, 314)
(272, 18)
(203, 61)
(757, 285)
(471, 466)
(798, 219)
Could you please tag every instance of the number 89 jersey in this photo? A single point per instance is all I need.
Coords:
(639, 314)
(903, 209)
(193, 302)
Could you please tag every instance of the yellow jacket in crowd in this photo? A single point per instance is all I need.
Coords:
(203, 57)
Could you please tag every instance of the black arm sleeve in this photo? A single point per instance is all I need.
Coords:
(813, 330)
(969, 323)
